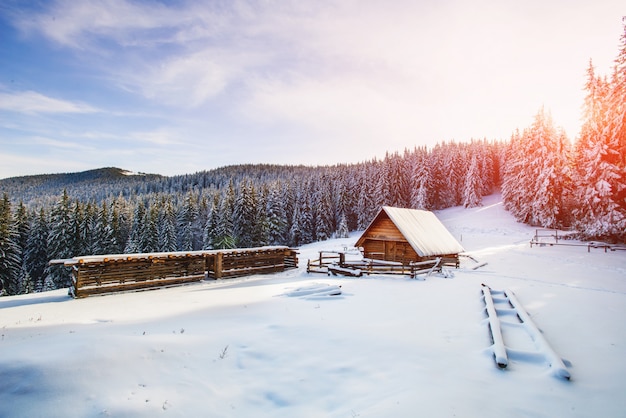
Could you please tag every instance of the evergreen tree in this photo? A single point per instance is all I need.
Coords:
(224, 233)
(367, 209)
(245, 215)
(166, 227)
(307, 221)
(120, 227)
(10, 257)
(104, 235)
(150, 236)
(342, 229)
(22, 229)
(276, 218)
(472, 189)
(295, 232)
(382, 193)
(187, 218)
(61, 240)
(79, 224)
(261, 227)
(22, 226)
(211, 224)
(324, 222)
(421, 181)
(36, 254)
(137, 230)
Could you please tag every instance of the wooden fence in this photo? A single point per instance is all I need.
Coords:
(550, 237)
(333, 262)
(93, 275)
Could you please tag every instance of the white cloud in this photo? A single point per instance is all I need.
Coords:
(79, 24)
(157, 137)
(376, 74)
(32, 102)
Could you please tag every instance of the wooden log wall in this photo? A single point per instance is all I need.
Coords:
(236, 263)
(109, 274)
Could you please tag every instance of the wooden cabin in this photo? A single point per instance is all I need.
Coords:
(408, 235)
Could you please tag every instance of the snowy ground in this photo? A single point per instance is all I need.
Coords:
(388, 346)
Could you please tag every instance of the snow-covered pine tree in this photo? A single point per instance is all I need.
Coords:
(10, 257)
(120, 226)
(342, 229)
(166, 226)
(276, 218)
(455, 166)
(36, 254)
(245, 214)
(261, 228)
(137, 230)
(105, 228)
(295, 232)
(516, 183)
(186, 221)
(22, 226)
(367, 208)
(472, 187)
(61, 239)
(224, 236)
(22, 229)
(210, 225)
(324, 222)
(546, 171)
(80, 232)
(307, 220)
(382, 192)
(150, 237)
(347, 197)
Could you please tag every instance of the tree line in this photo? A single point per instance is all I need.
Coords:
(251, 206)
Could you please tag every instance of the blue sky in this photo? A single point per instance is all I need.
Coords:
(176, 87)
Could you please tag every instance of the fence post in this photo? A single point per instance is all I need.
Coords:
(218, 265)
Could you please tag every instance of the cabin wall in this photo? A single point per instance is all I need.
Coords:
(387, 250)
(384, 229)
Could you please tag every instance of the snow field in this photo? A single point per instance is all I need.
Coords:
(277, 346)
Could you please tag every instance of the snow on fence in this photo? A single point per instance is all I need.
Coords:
(101, 274)
(335, 262)
(551, 237)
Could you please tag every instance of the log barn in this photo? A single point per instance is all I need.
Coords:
(408, 236)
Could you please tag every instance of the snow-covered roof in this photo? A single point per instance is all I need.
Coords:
(423, 231)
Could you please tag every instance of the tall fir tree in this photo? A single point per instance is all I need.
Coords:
(10, 257)
(61, 240)
(472, 187)
(276, 217)
(36, 254)
(166, 226)
(137, 230)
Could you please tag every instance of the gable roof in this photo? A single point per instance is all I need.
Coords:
(422, 230)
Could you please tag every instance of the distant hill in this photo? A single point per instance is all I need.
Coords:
(37, 187)
(97, 185)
